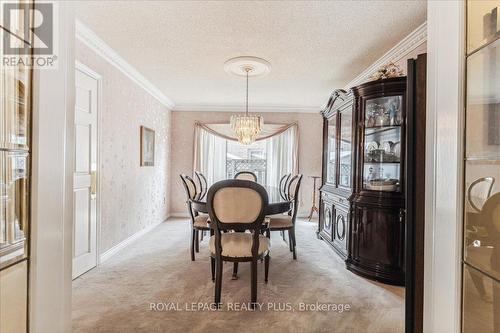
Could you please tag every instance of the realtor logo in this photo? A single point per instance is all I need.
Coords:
(28, 34)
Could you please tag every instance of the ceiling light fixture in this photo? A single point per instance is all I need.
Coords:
(247, 127)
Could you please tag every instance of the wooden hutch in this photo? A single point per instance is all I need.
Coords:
(362, 207)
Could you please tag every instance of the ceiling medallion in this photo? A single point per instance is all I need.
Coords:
(247, 127)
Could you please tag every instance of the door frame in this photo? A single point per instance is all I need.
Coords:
(444, 166)
(98, 77)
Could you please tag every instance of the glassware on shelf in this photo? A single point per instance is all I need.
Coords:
(382, 137)
(383, 111)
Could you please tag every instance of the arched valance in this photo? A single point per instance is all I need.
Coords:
(224, 130)
(282, 147)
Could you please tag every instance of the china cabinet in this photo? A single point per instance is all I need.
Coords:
(362, 206)
(377, 237)
(337, 171)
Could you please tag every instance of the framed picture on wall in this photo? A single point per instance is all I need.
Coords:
(147, 146)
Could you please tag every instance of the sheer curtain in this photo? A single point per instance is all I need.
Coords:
(282, 155)
(210, 155)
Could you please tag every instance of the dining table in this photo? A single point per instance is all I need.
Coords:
(277, 203)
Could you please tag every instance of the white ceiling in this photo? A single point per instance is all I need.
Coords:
(313, 46)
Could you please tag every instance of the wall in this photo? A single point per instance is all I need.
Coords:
(409, 47)
(310, 151)
(402, 61)
(132, 197)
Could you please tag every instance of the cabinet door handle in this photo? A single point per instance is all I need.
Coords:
(402, 213)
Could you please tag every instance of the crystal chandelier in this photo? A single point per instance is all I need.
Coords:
(246, 127)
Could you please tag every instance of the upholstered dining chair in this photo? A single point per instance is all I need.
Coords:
(246, 175)
(199, 222)
(237, 205)
(202, 185)
(282, 222)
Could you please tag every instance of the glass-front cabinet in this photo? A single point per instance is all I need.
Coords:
(15, 124)
(481, 248)
(377, 237)
(334, 217)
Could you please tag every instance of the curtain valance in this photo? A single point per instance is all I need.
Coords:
(224, 130)
(210, 150)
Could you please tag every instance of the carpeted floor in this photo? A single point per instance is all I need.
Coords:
(152, 286)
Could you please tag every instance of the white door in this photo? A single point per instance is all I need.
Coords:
(85, 172)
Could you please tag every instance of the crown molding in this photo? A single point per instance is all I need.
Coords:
(94, 42)
(405, 46)
(241, 108)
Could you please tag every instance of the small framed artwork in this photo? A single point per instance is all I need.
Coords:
(147, 146)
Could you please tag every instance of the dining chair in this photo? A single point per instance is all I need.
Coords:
(479, 191)
(199, 222)
(282, 222)
(202, 184)
(236, 206)
(246, 175)
(282, 185)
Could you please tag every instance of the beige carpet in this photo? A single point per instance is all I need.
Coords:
(117, 296)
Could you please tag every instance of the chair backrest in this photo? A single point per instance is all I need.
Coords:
(189, 187)
(237, 204)
(479, 191)
(202, 183)
(283, 185)
(246, 175)
(293, 193)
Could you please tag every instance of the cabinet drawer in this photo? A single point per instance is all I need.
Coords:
(335, 199)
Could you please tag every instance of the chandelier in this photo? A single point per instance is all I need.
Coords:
(246, 127)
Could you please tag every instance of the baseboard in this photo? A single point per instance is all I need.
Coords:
(183, 215)
(126, 242)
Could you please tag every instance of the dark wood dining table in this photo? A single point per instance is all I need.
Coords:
(277, 204)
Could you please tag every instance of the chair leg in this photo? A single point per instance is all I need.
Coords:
(192, 244)
(294, 243)
(218, 281)
(198, 241)
(266, 273)
(283, 235)
(202, 234)
(290, 242)
(212, 266)
(235, 271)
(254, 283)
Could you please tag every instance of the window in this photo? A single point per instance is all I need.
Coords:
(241, 157)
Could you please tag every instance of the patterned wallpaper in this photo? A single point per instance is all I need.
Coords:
(132, 197)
